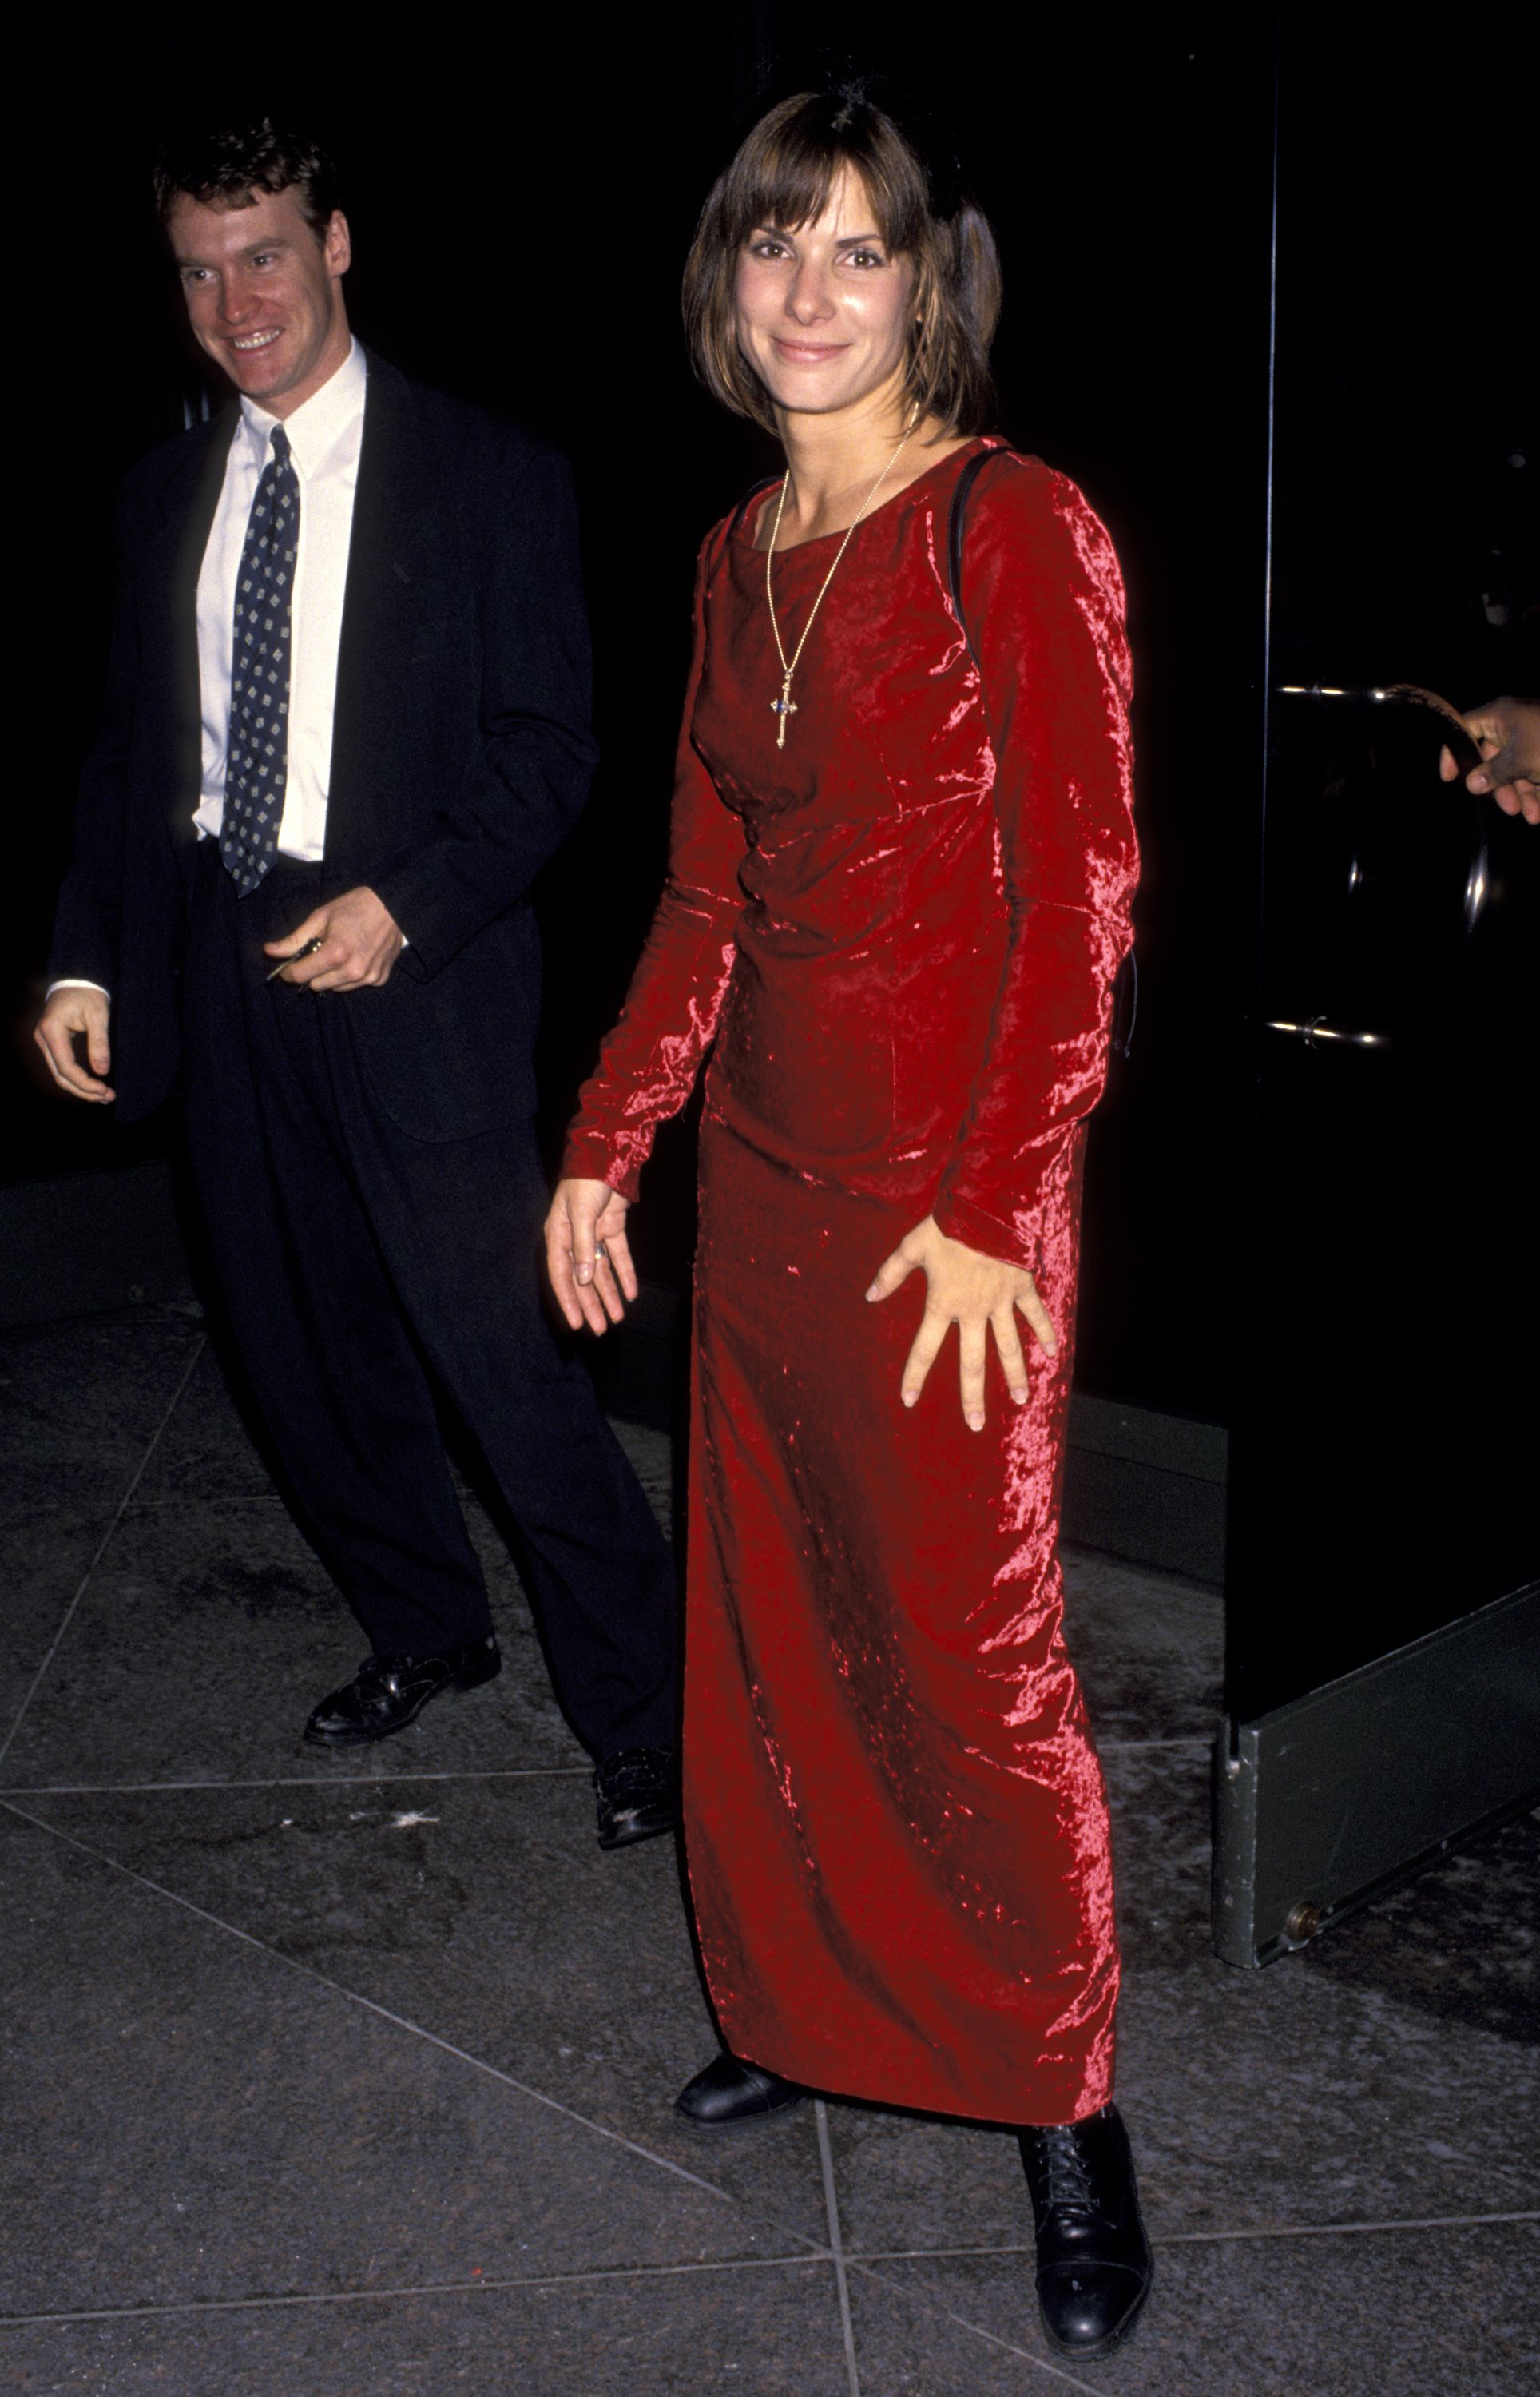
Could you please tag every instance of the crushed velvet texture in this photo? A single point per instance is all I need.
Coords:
(900, 934)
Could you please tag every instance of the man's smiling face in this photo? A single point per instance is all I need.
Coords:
(264, 293)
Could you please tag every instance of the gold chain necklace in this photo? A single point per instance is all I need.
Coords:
(786, 706)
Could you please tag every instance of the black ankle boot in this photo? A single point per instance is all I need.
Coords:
(730, 2091)
(1094, 2264)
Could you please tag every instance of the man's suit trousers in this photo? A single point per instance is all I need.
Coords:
(363, 1272)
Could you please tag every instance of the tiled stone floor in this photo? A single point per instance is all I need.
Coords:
(352, 2077)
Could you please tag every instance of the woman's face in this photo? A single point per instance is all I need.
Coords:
(824, 314)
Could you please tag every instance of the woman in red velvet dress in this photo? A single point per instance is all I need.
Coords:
(901, 867)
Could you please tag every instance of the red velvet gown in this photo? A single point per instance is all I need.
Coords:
(896, 936)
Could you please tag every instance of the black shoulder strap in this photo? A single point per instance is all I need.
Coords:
(755, 491)
(1126, 990)
(961, 489)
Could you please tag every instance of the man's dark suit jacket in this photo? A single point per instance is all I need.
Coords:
(462, 752)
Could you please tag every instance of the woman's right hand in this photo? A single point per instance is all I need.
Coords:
(588, 1256)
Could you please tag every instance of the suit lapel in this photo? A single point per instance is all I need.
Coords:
(178, 540)
(388, 565)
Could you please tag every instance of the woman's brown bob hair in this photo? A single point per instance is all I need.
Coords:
(782, 177)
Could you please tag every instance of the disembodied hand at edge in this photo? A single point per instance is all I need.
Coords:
(68, 1012)
(360, 942)
(1506, 731)
(588, 1255)
(981, 1295)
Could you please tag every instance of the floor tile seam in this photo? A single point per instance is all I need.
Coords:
(863, 2256)
(212, 1501)
(599, 2275)
(1348, 2229)
(296, 1781)
(836, 2243)
(192, 1501)
(268, 1496)
(199, 1344)
(919, 2296)
(416, 2030)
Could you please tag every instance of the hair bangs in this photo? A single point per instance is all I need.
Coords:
(786, 174)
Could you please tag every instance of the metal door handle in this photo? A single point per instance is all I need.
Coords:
(1316, 1029)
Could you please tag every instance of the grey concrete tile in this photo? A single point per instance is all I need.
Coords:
(209, 1449)
(910, 2180)
(42, 1559)
(1161, 1853)
(1460, 1942)
(770, 2332)
(79, 1404)
(1282, 2097)
(204, 1637)
(1149, 1646)
(191, 2121)
(491, 1916)
(917, 2334)
(1429, 2313)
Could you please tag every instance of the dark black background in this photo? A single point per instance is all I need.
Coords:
(1382, 1421)
(521, 204)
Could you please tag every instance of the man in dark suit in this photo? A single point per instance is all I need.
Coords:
(347, 723)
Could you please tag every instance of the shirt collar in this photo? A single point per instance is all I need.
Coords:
(314, 429)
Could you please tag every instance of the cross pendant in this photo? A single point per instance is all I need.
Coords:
(783, 708)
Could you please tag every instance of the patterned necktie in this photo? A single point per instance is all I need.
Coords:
(257, 752)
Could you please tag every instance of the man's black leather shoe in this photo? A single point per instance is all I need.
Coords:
(387, 1692)
(638, 1793)
(730, 2091)
(1094, 2264)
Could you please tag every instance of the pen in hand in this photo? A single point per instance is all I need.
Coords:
(307, 949)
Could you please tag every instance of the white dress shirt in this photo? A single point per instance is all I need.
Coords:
(325, 435)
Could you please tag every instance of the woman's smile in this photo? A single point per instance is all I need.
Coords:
(807, 354)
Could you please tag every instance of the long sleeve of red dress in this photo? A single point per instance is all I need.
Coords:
(1044, 601)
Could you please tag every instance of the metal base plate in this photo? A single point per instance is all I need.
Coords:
(1345, 1792)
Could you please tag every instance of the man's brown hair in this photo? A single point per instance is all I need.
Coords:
(225, 166)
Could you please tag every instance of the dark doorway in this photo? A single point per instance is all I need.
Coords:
(1384, 1548)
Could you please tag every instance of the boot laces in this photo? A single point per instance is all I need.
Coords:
(1064, 2172)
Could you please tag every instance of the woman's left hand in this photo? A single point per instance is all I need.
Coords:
(979, 1294)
